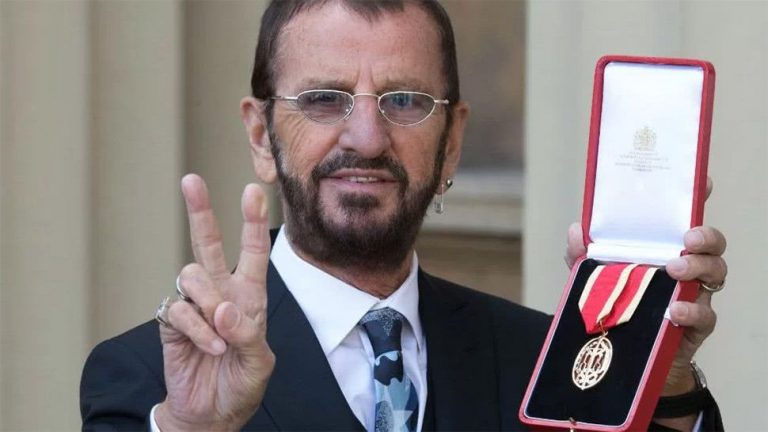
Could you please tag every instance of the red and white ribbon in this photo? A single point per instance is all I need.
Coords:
(612, 294)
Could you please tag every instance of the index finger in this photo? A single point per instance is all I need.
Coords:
(203, 228)
(255, 242)
(705, 240)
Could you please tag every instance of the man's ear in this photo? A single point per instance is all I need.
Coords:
(253, 114)
(454, 140)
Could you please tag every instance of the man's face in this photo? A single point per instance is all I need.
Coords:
(363, 183)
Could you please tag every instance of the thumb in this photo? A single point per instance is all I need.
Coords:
(574, 245)
(237, 328)
(250, 361)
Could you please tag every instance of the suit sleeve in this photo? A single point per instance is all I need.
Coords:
(711, 419)
(118, 389)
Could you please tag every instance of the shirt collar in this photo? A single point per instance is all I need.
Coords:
(333, 307)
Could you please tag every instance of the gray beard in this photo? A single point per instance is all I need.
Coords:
(362, 243)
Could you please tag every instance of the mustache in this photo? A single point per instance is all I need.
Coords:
(353, 160)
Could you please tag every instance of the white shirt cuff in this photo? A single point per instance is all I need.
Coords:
(155, 428)
(696, 426)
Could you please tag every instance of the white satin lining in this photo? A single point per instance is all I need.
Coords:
(644, 186)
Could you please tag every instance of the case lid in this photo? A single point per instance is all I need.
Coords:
(646, 173)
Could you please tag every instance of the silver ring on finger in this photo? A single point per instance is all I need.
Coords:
(712, 288)
(161, 314)
(180, 291)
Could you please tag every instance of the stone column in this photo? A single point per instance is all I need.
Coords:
(46, 211)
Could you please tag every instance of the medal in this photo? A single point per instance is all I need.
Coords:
(609, 298)
(592, 362)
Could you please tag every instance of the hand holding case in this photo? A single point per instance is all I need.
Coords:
(645, 186)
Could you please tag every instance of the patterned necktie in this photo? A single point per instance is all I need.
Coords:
(397, 405)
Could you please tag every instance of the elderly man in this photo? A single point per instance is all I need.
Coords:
(356, 114)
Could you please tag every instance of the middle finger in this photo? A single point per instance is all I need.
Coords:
(706, 268)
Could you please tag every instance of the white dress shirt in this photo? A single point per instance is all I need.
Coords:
(334, 308)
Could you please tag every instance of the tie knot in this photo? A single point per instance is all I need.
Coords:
(384, 328)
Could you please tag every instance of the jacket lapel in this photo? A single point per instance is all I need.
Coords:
(462, 385)
(303, 393)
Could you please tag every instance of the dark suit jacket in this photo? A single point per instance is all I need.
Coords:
(481, 351)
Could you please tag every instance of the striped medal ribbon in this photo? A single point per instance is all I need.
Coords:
(610, 297)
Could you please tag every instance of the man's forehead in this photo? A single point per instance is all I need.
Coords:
(385, 82)
(331, 44)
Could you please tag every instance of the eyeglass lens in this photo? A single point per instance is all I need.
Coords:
(329, 106)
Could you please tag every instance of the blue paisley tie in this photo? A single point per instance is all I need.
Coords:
(397, 405)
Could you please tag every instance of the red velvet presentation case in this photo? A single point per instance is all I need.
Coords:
(645, 187)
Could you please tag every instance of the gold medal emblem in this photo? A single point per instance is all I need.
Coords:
(592, 362)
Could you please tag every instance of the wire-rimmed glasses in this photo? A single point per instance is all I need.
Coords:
(404, 108)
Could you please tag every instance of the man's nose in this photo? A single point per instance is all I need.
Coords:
(365, 131)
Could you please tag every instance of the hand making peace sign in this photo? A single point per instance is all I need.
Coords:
(216, 358)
